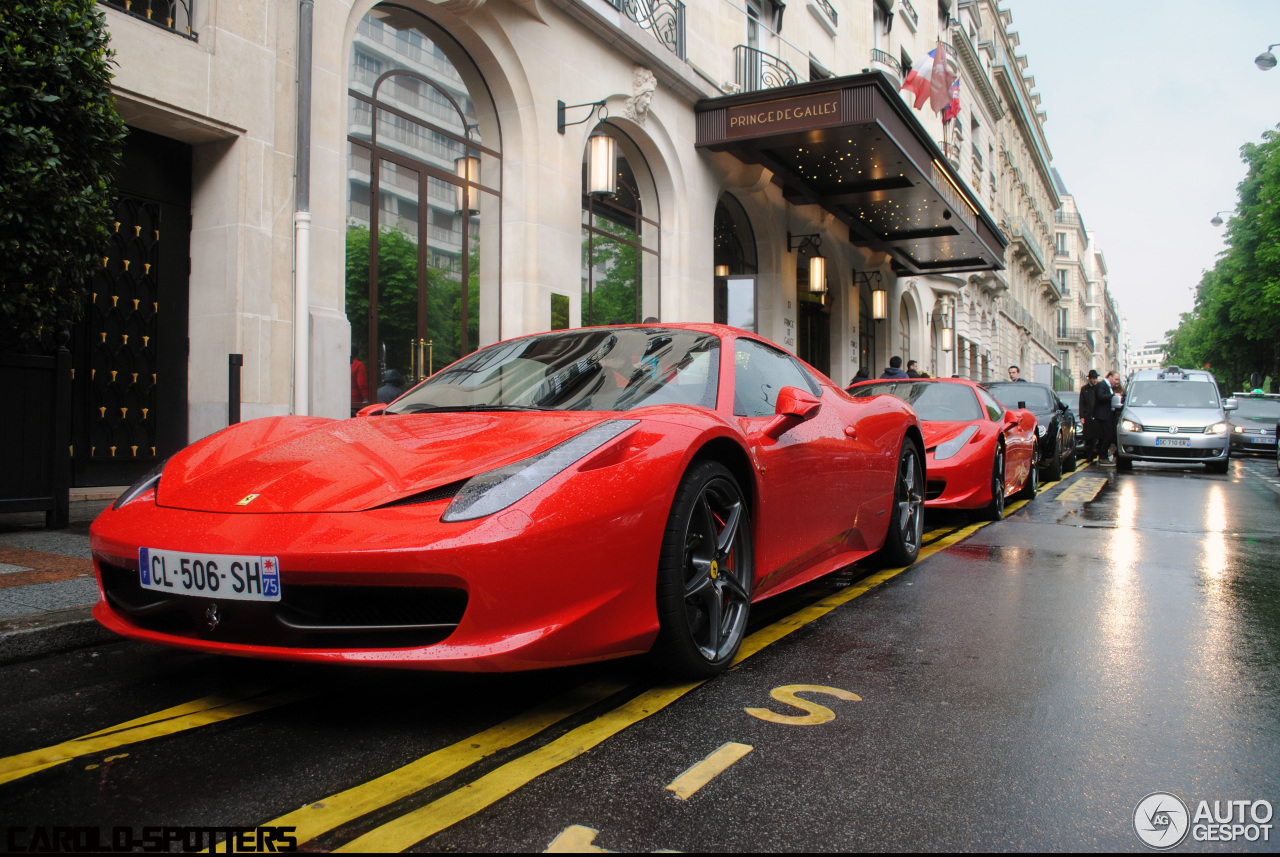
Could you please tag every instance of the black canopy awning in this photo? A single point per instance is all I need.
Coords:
(852, 146)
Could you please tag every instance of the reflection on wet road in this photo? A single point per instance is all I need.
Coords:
(1023, 686)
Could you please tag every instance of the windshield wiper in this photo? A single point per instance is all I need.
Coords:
(445, 409)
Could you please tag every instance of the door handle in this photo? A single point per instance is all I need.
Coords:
(851, 432)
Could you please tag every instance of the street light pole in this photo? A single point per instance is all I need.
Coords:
(1266, 60)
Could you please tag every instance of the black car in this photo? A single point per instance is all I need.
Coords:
(1057, 423)
(1253, 424)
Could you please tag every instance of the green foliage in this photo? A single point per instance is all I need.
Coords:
(398, 300)
(1235, 326)
(613, 297)
(60, 144)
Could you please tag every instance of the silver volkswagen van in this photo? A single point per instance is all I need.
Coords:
(1176, 416)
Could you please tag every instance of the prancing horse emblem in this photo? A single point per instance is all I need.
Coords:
(249, 499)
(211, 617)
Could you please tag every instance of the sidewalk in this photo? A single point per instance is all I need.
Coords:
(47, 587)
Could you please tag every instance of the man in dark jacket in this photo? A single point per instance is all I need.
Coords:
(912, 371)
(1095, 410)
(895, 369)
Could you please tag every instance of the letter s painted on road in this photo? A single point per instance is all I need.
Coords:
(815, 714)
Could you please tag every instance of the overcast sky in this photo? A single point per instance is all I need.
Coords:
(1149, 102)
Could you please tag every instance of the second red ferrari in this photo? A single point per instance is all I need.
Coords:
(978, 453)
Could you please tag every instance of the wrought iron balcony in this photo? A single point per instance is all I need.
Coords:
(663, 18)
(911, 13)
(1067, 217)
(826, 7)
(1072, 334)
(758, 70)
(172, 15)
(879, 57)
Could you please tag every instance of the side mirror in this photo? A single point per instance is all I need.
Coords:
(793, 406)
(1010, 419)
(374, 410)
(1117, 401)
(1230, 404)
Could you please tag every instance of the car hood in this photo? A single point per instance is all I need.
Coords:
(1182, 417)
(304, 464)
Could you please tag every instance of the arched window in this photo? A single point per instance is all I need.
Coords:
(620, 242)
(734, 256)
(423, 173)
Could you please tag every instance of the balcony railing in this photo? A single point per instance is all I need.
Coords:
(1074, 334)
(826, 6)
(172, 15)
(758, 70)
(911, 13)
(885, 59)
(1067, 217)
(663, 18)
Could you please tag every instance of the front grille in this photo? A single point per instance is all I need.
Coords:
(1165, 429)
(1176, 452)
(306, 616)
(934, 489)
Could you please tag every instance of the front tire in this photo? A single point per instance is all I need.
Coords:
(1056, 465)
(995, 511)
(1032, 485)
(906, 526)
(705, 575)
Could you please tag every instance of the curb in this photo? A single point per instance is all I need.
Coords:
(36, 634)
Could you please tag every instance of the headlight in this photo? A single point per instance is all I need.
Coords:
(1216, 428)
(951, 447)
(496, 490)
(1130, 425)
(1239, 429)
(137, 489)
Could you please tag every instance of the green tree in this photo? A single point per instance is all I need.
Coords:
(1234, 328)
(60, 144)
(398, 300)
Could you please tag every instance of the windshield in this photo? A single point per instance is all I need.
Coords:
(932, 400)
(1037, 398)
(1172, 394)
(1259, 409)
(589, 369)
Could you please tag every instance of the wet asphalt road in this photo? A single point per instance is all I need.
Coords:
(1023, 687)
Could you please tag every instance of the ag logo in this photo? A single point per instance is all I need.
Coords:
(1161, 821)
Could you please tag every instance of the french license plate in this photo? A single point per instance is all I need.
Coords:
(211, 575)
(1173, 441)
(1261, 440)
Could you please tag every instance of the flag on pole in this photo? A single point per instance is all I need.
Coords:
(953, 109)
(931, 80)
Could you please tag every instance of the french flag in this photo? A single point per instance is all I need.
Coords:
(931, 80)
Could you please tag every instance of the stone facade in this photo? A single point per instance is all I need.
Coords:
(231, 92)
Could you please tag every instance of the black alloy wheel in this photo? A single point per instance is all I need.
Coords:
(995, 511)
(1032, 485)
(1055, 462)
(906, 527)
(705, 575)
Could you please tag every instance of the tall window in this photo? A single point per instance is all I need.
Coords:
(422, 179)
(904, 331)
(619, 245)
(734, 256)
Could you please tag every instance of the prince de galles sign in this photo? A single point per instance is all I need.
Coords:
(788, 114)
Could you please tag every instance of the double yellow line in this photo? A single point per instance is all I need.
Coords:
(329, 813)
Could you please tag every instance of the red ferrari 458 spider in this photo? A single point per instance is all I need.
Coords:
(978, 452)
(549, 500)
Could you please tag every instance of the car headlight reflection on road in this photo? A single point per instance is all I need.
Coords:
(496, 490)
(1130, 425)
(951, 447)
(1216, 428)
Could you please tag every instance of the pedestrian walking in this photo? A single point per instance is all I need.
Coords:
(895, 369)
(1095, 409)
(912, 371)
(359, 384)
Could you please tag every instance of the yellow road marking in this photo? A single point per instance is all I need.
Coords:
(331, 812)
(1084, 490)
(815, 714)
(708, 769)
(576, 839)
(170, 721)
(415, 826)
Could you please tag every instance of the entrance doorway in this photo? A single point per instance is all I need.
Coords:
(130, 351)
